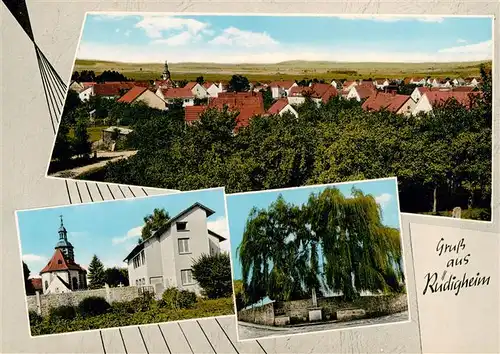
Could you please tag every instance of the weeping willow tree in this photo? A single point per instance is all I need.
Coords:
(280, 249)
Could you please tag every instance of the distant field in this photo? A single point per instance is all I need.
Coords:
(295, 70)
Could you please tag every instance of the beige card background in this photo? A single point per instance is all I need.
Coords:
(27, 140)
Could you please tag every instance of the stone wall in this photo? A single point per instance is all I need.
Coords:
(43, 303)
(298, 310)
(261, 315)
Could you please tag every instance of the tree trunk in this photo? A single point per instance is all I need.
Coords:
(434, 204)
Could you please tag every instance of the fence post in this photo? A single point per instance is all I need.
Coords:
(108, 292)
(38, 303)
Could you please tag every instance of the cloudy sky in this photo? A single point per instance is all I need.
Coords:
(269, 39)
(239, 206)
(108, 229)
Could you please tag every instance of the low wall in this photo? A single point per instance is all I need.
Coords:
(261, 315)
(43, 303)
(298, 310)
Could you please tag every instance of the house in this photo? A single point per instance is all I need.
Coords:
(143, 94)
(418, 92)
(473, 82)
(381, 83)
(281, 89)
(361, 92)
(318, 93)
(109, 90)
(170, 95)
(212, 89)
(335, 84)
(431, 99)
(420, 81)
(197, 90)
(165, 259)
(347, 85)
(76, 86)
(245, 104)
(458, 82)
(281, 107)
(62, 274)
(445, 83)
(392, 102)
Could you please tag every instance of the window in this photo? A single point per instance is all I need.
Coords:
(59, 261)
(143, 260)
(46, 285)
(181, 226)
(75, 283)
(187, 277)
(183, 245)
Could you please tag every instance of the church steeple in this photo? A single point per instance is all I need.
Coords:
(63, 244)
(166, 72)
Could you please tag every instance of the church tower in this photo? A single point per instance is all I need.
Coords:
(63, 244)
(166, 72)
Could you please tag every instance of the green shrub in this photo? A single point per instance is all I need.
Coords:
(34, 318)
(172, 298)
(93, 306)
(186, 299)
(213, 273)
(123, 307)
(62, 313)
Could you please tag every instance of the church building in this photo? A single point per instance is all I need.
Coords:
(62, 274)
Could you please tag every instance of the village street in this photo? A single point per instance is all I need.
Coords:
(250, 331)
(109, 156)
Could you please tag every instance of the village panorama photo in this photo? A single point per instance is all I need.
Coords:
(129, 262)
(317, 258)
(257, 102)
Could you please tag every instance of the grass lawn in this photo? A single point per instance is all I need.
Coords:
(117, 317)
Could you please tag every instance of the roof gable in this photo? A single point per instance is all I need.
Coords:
(132, 94)
(59, 263)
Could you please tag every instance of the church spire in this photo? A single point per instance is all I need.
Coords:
(63, 244)
(166, 72)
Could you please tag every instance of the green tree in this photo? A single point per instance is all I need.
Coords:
(200, 80)
(63, 147)
(30, 290)
(153, 222)
(81, 143)
(238, 83)
(213, 273)
(97, 275)
(116, 276)
(267, 97)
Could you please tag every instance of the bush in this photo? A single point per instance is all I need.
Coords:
(172, 298)
(93, 306)
(213, 273)
(62, 313)
(123, 307)
(34, 318)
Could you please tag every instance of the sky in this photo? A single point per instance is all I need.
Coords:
(108, 229)
(239, 206)
(154, 38)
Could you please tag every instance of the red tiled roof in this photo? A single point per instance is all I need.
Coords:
(177, 93)
(58, 262)
(190, 85)
(278, 106)
(111, 89)
(247, 104)
(463, 89)
(192, 113)
(86, 85)
(37, 283)
(283, 84)
(207, 84)
(439, 97)
(365, 91)
(389, 101)
(132, 94)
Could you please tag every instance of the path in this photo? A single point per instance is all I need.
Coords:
(249, 331)
(112, 156)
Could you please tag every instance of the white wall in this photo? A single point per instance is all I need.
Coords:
(422, 106)
(152, 100)
(85, 94)
(297, 100)
(137, 273)
(199, 91)
(168, 259)
(353, 94)
(416, 95)
(213, 90)
(289, 109)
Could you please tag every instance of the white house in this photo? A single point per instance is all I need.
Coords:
(165, 259)
(418, 81)
(418, 92)
(381, 84)
(281, 89)
(474, 82)
(361, 92)
(85, 94)
(62, 274)
(176, 94)
(334, 83)
(213, 89)
(281, 107)
(197, 90)
(432, 98)
(143, 94)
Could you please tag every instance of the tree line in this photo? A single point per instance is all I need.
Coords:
(282, 246)
(105, 76)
